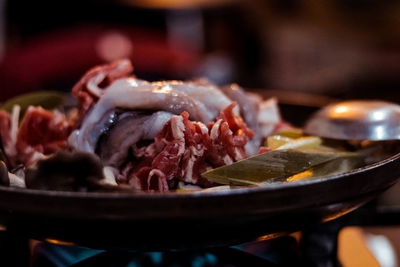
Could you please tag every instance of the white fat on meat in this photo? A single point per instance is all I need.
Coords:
(121, 94)
(177, 127)
(214, 133)
(260, 116)
(208, 94)
(205, 93)
(249, 104)
(194, 153)
(93, 78)
(268, 116)
(127, 132)
(203, 103)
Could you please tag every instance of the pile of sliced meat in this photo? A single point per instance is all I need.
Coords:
(184, 149)
(153, 135)
(39, 134)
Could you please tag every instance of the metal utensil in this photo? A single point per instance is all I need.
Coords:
(356, 120)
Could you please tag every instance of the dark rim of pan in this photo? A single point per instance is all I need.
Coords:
(237, 191)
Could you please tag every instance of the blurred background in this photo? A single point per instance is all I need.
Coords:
(339, 48)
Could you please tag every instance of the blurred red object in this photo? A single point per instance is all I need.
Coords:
(62, 57)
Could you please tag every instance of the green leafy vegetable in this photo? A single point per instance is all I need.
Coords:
(46, 99)
(333, 167)
(272, 165)
(292, 138)
(291, 133)
(280, 142)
